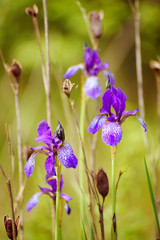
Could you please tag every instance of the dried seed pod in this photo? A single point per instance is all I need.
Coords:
(96, 23)
(102, 183)
(15, 70)
(8, 226)
(155, 65)
(32, 11)
(67, 87)
(60, 132)
(26, 152)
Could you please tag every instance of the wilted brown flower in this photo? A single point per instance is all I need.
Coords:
(32, 11)
(96, 23)
(26, 152)
(67, 87)
(102, 183)
(8, 226)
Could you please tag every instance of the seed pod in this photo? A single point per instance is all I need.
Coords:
(96, 23)
(155, 65)
(15, 70)
(8, 226)
(32, 11)
(102, 183)
(60, 132)
(67, 87)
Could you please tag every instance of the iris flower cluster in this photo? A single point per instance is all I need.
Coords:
(92, 66)
(112, 115)
(55, 146)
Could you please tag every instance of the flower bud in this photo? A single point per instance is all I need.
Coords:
(32, 11)
(96, 23)
(67, 87)
(8, 226)
(102, 183)
(60, 132)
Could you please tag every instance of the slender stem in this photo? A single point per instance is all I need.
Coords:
(113, 158)
(53, 218)
(19, 160)
(81, 164)
(101, 220)
(11, 202)
(48, 97)
(57, 232)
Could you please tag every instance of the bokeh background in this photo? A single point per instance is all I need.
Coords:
(67, 33)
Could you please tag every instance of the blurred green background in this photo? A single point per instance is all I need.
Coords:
(67, 33)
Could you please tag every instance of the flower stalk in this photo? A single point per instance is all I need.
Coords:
(113, 158)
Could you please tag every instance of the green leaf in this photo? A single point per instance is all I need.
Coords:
(84, 231)
(152, 197)
(89, 219)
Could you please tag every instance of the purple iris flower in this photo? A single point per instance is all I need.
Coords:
(54, 148)
(111, 122)
(51, 192)
(91, 69)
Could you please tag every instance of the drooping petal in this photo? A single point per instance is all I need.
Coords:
(67, 208)
(109, 78)
(92, 87)
(66, 197)
(142, 123)
(128, 114)
(44, 138)
(66, 156)
(30, 165)
(49, 163)
(72, 70)
(87, 59)
(33, 201)
(107, 99)
(111, 133)
(97, 123)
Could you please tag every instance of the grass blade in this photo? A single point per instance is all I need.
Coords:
(152, 197)
(84, 231)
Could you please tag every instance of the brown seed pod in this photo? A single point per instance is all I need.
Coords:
(102, 183)
(32, 11)
(26, 152)
(8, 226)
(15, 70)
(67, 87)
(96, 23)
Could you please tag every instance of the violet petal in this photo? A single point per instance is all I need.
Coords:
(107, 99)
(97, 123)
(111, 133)
(49, 163)
(43, 128)
(66, 197)
(92, 87)
(44, 190)
(30, 165)
(67, 208)
(109, 77)
(72, 70)
(142, 123)
(33, 201)
(66, 156)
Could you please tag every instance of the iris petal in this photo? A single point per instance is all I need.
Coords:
(67, 208)
(66, 197)
(72, 70)
(142, 123)
(92, 87)
(43, 128)
(111, 133)
(66, 156)
(97, 123)
(33, 201)
(30, 165)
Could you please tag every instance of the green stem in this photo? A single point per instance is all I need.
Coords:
(81, 164)
(113, 158)
(57, 228)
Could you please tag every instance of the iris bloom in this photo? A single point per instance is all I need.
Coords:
(91, 69)
(54, 148)
(109, 121)
(51, 192)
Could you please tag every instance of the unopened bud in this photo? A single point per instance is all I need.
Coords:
(8, 226)
(26, 152)
(15, 70)
(102, 183)
(32, 11)
(67, 87)
(96, 23)
(60, 132)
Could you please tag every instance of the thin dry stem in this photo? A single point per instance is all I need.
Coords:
(19, 143)
(101, 220)
(11, 201)
(92, 39)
